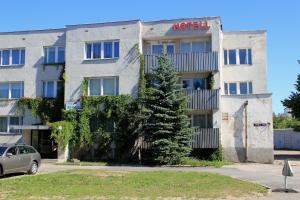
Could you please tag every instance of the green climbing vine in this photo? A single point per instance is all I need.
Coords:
(210, 81)
(47, 109)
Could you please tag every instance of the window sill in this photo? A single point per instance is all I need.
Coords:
(63, 63)
(238, 65)
(12, 99)
(17, 65)
(99, 59)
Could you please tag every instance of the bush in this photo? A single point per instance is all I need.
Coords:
(62, 135)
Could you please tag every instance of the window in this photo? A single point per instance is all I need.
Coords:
(195, 83)
(26, 150)
(202, 120)
(232, 57)
(244, 88)
(14, 121)
(232, 88)
(11, 90)
(226, 88)
(163, 48)
(54, 55)
(51, 88)
(3, 124)
(103, 86)
(225, 57)
(13, 151)
(12, 57)
(245, 56)
(7, 121)
(187, 84)
(102, 50)
(196, 46)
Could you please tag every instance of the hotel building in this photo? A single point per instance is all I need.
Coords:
(224, 75)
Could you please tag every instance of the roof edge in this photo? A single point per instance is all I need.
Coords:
(245, 32)
(33, 31)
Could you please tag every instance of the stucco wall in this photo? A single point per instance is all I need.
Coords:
(126, 67)
(260, 138)
(257, 72)
(33, 72)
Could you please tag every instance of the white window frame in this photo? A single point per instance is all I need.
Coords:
(238, 85)
(8, 124)
(191, 44)
(102, 50)
(164, 44)
(10, 87)
(237, 56)
(101, 85)
(44, 92)
(46, 48)
(10, 57)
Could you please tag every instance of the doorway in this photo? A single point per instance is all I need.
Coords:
(41, 141)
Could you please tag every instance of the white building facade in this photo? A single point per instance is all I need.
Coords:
(224, 75)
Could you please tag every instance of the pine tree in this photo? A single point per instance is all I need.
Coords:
(167, 126)
(293, 101)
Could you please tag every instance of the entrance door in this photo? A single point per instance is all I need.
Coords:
(40, 139)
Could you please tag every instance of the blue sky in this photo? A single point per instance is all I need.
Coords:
(280, 18)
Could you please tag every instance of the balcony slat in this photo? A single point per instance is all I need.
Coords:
(202, 99)
(187, 62)
(204, 138)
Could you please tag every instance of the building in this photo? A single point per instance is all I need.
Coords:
(223, 73)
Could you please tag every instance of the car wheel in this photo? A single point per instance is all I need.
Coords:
(34, 168)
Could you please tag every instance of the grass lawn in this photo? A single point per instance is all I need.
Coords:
(186, 162)
(98, 184)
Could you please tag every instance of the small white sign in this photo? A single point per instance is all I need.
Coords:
(72, 106)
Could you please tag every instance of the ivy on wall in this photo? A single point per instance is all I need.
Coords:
(47, 109)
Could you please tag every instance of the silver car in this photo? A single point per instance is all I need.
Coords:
(18, 158)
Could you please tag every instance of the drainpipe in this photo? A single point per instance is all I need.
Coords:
(246, 130)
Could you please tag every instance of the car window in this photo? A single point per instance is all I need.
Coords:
(12, 150)
(23, 150)
(30, 149)
(2, 150)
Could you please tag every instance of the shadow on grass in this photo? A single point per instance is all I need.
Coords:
(12, 175)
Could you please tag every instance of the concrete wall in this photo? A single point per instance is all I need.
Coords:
(286, 139)
(260, 138)
(126, 67)
(32, 73)
(257, 72)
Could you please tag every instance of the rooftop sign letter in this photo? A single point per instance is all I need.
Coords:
(194, 25)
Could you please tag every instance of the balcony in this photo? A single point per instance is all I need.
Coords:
(206, 138)
(187, 62)
(202, 99)
(202, 138)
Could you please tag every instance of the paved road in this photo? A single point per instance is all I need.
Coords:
(265, 174)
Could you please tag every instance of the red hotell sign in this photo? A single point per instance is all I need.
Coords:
(194, 25)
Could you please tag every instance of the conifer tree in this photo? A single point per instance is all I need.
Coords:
(167, 127)
(293, 101)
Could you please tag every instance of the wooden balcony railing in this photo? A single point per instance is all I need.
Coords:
(202, 99)
(187, 62)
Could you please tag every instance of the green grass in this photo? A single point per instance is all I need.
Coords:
(186, 162)
(99, 184)
(84, 163)
(204, 163)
